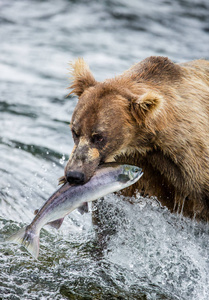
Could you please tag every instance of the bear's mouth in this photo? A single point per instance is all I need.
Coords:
(110, 159)
(63, 179)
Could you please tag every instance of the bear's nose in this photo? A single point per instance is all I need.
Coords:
(75, 177)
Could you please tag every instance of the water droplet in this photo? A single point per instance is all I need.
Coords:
(62, 160)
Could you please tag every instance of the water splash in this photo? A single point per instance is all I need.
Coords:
(151, 253)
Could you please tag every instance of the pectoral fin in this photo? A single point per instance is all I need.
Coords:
(57, 223)
(83, 208)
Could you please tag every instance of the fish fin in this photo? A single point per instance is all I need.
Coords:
(28, 239)
(62, 180)
(57, 223)
(84, 208)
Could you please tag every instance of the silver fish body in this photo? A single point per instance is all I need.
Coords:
(108, 178)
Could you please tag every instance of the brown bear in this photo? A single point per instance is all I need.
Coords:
(156, 116)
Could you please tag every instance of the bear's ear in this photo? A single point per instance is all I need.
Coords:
(146, 107)
(81, 76)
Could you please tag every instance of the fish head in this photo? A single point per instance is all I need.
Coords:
(129, 174)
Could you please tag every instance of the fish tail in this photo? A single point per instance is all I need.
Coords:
(28, 238)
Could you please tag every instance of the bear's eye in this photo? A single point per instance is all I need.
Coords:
(75, 134)
(97, 139)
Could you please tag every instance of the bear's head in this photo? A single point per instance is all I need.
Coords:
(116, 117)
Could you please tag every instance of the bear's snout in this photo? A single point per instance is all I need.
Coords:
(82, 164)
(75, 177)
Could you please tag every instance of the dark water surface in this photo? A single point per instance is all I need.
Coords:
(154, 254)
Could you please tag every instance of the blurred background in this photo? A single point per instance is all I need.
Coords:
(154, 255)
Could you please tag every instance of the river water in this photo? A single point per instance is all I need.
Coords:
(153, 254)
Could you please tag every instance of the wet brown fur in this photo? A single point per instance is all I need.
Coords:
(154, 115)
